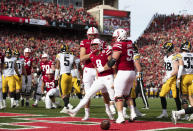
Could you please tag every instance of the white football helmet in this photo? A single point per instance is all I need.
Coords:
(92, 31)
(98, 42)
(49, 71)
(27, 50)
(45, 55)
(120, 34)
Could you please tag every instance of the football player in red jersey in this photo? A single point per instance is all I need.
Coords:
(45, 65)
(104, 80)
(123, 57)
(49, 88)
(89, 72)
(26, 87)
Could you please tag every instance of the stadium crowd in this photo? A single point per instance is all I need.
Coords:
(46, 11)
(162, 29)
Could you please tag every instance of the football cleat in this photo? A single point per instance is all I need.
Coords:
(138, 113)
(132, 117)
(110, 115)
(163, 115)
(64, 110)
(191, 117)
(85, 118)
(120, 120)
(174, 117)
(186, 117)
(112, 109)
(70, 106)
(71, 113)
(145, 108)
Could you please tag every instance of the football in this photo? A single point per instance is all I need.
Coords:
(105, 124)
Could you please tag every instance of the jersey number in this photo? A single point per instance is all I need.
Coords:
(189, 61)
(98, 63)
(129, 54)
(66, 61)
(168, 66)
(9, 64)
(18, 65)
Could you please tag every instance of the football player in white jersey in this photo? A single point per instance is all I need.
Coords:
(18, 80)
(1, 67)
(8, 77)
(169, 81)
(64, 64)
(185, 74)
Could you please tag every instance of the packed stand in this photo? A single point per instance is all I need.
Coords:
(46, 11)
(176, 29)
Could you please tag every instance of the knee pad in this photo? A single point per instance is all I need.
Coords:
(118, 99)
(126, 97)
(184, 101)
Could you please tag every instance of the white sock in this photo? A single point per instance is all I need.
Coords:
(124, 110)
(120, 113)
(36, 102)
(180, 112)
(1, 104)
(12, 101)
(132, 109)
(16, 101)
(87, 111)
(107, 107)
(4, 103)
(164, 111)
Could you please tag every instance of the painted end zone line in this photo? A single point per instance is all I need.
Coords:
(16, 124)
(169, 128)
(7, 114)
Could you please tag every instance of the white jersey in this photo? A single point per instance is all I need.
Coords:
(9, 66)
(169, 63)
(151, 89)
(155, 89)
(66, 62)
(77, 62)
(188, 62)
(19, 63)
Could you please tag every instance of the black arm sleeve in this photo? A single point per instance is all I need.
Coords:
(111, 62)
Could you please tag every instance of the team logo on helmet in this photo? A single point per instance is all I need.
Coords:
(16, 53)
(168, 47)
(186, 46)
(96, 41)
(64, 48)
(8, 52)
(92, 31)
(120, 34)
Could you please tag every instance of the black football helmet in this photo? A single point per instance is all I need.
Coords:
(186, 46)
(64, 48)
(16, 53)
(8, 52)
(168, 47)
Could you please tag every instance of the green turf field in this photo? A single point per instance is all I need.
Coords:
(97, 110)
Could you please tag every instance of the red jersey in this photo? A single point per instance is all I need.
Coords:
(28, 64)
(101, 60)
(86, 44)
(49, 83)
(45, 66)
(125, 61)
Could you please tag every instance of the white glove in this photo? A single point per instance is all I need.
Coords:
(45, 92)
(100, 69)
(178, 83)
(166, 78)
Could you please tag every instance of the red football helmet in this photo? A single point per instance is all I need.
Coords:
(92, 33)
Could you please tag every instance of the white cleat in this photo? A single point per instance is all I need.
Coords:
(112, 108)
(138, 113)
(85, 118)
(70, 106)
(71, 113)
(174, 117)
(110, 115)
(191, 117)
(132, 117)
(64, 110)
(186, 117)
(120, 120)
(163, 115)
